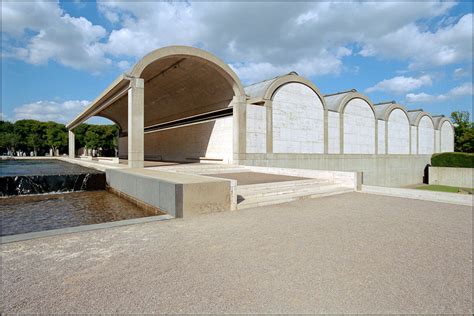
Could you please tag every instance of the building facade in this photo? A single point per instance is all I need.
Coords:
(184, 104)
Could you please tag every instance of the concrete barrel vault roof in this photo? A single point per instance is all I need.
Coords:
(337, 101)
(265, 90)
(383, 110)
(416, 115)
(438, 121)
(106, 98)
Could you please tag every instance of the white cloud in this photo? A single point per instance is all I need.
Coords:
(424, 97)
(50, 110)
(266, 37)
(401, 84)
(463, 90)
(48, 33)
(447, 45)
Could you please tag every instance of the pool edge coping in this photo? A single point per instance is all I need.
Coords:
(82, 228)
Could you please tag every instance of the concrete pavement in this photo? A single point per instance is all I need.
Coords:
(351, 253)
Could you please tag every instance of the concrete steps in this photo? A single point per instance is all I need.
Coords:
(258, 195)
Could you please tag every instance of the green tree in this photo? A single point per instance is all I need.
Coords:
(56, 136)
(464, 132)
(9, 142)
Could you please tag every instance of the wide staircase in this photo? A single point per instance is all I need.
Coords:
(269, 193)
(255, 195)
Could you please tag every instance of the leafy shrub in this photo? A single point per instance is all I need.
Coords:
(456, 160)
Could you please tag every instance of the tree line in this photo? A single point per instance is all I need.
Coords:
(32, 137)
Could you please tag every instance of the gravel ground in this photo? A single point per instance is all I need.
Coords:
(351, 253)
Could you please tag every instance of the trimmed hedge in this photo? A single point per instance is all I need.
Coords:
(455, 160)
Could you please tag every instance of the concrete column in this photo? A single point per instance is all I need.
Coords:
(136, 130)
(326, 131)
(72, 144)
(341, 132)
(376, 136)
(269, 112)
(239, 128)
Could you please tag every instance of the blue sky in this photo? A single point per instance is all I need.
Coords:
(58, 56)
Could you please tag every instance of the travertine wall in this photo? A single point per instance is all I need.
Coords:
(425, 136)
(256, 129)
(359, 128)
(398, 137)
(210, 140)
(298, 120)
(334, 137)
(447, 137)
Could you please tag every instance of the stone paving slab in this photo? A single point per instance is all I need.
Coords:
(351, 253)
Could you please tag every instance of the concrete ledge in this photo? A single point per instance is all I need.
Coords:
(114, 160)
(455, 177)
(443, 197)
(175, 193)
(345, 178)
(91, 163)
(83, 228)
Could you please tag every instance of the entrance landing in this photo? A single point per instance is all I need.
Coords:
(246, 178)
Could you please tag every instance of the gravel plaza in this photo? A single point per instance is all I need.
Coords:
(350, 253)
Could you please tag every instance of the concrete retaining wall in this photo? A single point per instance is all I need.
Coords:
(345, 178)
(381, 170)
(179, 195)
(455, 177)
(443, 197)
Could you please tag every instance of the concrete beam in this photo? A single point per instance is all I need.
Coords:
(136, 131)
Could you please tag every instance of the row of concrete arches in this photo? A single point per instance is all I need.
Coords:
(288, 114)
(184, 104)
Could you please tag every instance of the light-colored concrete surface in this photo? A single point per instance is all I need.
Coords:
(353, 253)
(245, 178)
(455, 177)
(177, 194)
(444, 197)
(384, 170)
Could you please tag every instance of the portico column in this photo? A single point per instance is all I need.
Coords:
(72, 144)
(136, 134)
(239, 128)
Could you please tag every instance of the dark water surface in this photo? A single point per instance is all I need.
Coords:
(36, 167)
(24, 214)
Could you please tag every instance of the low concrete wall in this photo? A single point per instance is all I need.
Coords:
(455, 177)
(381, 170)
(443, 197)
(345, 178)
(177, 194)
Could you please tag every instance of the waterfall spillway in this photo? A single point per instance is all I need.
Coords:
(20, 177)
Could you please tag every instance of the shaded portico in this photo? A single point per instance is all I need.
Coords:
(171, 105)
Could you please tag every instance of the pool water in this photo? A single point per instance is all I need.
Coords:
(35, 167)
(32, 213)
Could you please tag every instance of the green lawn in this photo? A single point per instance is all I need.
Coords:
(443, 188)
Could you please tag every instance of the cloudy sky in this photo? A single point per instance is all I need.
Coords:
(56, 56)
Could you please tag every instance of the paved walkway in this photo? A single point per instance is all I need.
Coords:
(351, 253)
